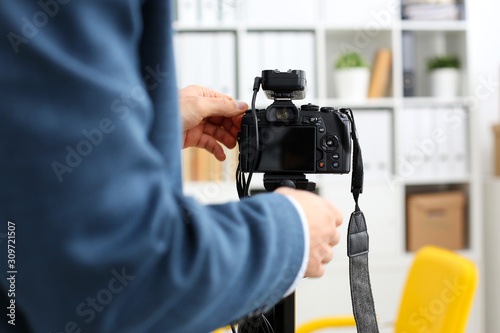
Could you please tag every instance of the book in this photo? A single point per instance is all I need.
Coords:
(430, 11)
(381, 74)
(201, 165)
(187, 164)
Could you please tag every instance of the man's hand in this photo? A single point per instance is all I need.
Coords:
(209, 117)
(323, 219)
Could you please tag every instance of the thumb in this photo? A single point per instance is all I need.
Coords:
(217, 106)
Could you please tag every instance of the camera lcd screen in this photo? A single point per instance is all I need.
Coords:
(287, 148)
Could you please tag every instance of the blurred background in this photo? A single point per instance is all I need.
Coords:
(422, 78)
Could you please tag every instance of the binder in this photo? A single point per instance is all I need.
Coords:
(424, 146)
(207, 59)
(224, 64)
(443, 140)
(408, 63)
(282, 12)
(228, 10)
(282, 51)
(375, 135)
(410, 160)
(209, 11)
(457, 131)
(188, 11)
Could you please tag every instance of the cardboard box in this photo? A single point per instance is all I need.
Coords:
(496, 131)
(436, 219)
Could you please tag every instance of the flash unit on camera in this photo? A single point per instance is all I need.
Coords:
(284, 85)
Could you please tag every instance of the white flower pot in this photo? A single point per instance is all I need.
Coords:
(444, 82)
(352, 83)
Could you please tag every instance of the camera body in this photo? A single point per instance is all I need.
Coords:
(292, 140)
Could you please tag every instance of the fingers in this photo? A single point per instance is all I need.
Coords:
(209, 116)
(335, 238)
(222, 106)
(318, 261)
(209, 103)
(194, 90)
(224, 131)
(323, 219)
(199, 103)
(328, 256)
(336, 213)
(212, 146)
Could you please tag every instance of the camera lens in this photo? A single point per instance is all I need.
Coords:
(282, 113)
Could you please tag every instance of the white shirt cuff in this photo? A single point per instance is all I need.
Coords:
(305, 259)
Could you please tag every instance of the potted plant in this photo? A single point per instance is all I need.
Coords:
(352, 76)
(444, 75)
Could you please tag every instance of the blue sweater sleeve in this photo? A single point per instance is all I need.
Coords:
(90, 176)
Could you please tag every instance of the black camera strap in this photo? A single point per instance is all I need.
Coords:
(357, 247)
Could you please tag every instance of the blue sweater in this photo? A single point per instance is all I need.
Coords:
(90, 184)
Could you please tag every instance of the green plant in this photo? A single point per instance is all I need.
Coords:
(351, 59)
(444, 61)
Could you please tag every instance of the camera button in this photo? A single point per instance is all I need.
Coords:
(335, 156)
(321, 130)
(321, 164)
(335, 164)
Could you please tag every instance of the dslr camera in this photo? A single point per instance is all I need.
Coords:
(291, 139)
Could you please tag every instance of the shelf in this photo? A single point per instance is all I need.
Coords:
(369, 103)
(201, 27)
(438, 181)
(433, 101)
(357, 27)
(280, 27)
(179, 27)
(433, 25)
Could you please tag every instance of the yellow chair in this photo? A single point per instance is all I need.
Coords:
(437, 296)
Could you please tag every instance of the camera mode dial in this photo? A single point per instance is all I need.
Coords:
(327, 109)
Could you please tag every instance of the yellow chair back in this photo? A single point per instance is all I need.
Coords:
(437, 297)
(438, 293)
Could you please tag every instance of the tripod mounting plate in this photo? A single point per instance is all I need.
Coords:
(297, 181)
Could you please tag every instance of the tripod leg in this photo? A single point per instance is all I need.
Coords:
(281, 319)
(282, 316)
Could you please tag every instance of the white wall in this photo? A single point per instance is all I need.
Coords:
(484, 49)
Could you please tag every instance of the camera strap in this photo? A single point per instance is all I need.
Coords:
(357, 247)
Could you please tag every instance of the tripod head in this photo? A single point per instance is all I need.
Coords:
(296, 181)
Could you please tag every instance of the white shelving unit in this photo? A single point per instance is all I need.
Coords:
(311, 38)
(492, 248)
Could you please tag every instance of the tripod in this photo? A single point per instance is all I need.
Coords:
(281, 318)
